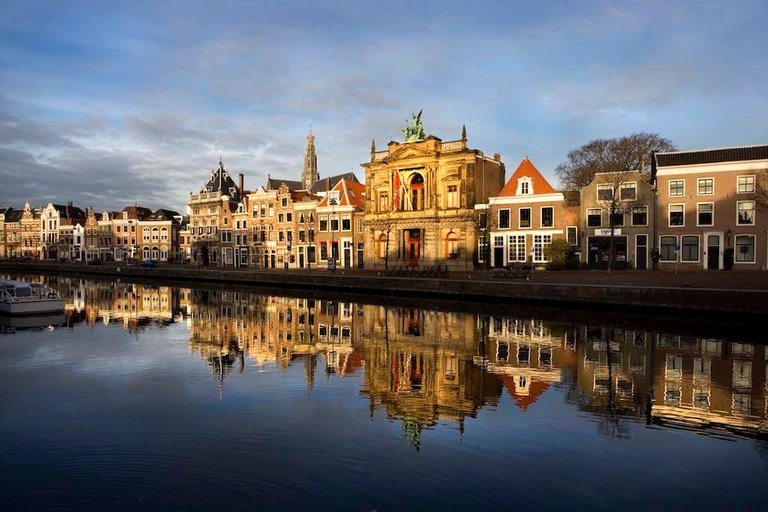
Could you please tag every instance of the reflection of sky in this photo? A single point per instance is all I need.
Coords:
(108, 103)
(101, 414)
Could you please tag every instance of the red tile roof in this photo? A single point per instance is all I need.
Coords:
(527, 169)
(352, 193)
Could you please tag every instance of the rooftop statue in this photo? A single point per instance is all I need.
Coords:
(415, 131)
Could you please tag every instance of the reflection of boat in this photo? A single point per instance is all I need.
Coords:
(11, 323)
(22, 298)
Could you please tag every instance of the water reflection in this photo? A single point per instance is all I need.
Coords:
(424, 367)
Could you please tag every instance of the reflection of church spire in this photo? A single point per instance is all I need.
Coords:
(310, 363)
(310, 175)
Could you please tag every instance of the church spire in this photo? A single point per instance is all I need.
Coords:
(310, 175)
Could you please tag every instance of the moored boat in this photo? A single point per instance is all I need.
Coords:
(22, 298)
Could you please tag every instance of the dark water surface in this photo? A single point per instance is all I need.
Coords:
(152, 397)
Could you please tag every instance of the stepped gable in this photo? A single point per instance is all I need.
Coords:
(526, 169)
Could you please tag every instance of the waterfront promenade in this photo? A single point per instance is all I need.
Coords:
(639, 291)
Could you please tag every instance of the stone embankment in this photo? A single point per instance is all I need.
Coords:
(475, 287)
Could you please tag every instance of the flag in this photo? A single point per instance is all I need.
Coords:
(397, 184)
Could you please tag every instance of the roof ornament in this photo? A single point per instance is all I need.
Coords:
(463, 132)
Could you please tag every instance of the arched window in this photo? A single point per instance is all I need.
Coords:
(145, 253)
(155, 253)
(451, 246)
(155, 233)
(145, 231)
(382, 246)
(416, 192)
(164, 254)
(164, 234)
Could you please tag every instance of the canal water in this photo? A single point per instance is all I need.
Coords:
(154, 397)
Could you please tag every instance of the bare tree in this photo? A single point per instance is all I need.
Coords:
(609, 155)
(616, 196)
(761, 191)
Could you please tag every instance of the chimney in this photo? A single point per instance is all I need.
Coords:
(242, 183)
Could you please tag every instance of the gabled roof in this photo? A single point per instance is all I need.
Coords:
(528, 170)
(163, 214)
(67, 211)
(329, 182)
(13, 215)
(302, 195)
(351, 193)
(134, 212)
(535, 389)
(712, 156)
(221, 182)
(274, 184)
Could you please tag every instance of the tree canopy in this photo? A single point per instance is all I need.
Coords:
(628, 153)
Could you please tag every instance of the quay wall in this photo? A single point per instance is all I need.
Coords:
(632, 298)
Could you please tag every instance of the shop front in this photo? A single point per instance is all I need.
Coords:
(599, 247)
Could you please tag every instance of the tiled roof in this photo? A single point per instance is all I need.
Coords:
(135, 212)
(69, 211)
(351, 193)
(329, 182)
(220, 181)
(13, 215)
(274, 184)
(163, 214)
(712, 156)
(526, 169)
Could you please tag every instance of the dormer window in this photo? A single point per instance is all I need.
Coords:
(524, 186)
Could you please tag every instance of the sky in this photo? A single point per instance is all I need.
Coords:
(109, 103)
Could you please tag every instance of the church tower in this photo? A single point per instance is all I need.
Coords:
(310, 175)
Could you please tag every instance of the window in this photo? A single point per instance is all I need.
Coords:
(335, 223)
(279, 217)
(628, 191)
(284, 202)
(517, 248)
(382, 246)
(323, 223)
(668, 248)
(640, 216)
(452, 196)
(540, 242)
(503, 219)
(676, 215)
(360, 225)
(594, 218)
(618, 217)
(706, 186)
(524, 186)
(383, 201)
(745, 213)
(705, 214)
(745, 248)
(323, 251)
(289, 217)
(604, 192)
(745, 184)
(690, 248)
(346, 223)
(677, 188)
(571, 235)
(525, 217)
(451, 246)
(547, 217)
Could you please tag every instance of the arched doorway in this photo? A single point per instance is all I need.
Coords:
(416, 191)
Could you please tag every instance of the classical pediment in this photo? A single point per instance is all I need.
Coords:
(406, 152)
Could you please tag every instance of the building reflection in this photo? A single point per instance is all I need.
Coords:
(424, 367)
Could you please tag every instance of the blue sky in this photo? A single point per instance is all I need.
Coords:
(109, 103)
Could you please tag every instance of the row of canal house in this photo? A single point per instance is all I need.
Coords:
(430, 202)
(698, 209)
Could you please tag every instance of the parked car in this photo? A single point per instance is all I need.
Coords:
(149, 263)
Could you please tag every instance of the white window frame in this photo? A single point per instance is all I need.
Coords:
(697, 214)
(530, 218)
(509, 218)
(754, 183)
(541, 216)
(599, 213)
(669, 216)
(628, 184)
(754, 213)
(576, 234)
(518, 241)
(632, 218)
(539, 247)
(698, 253)
(669, 188)
(698, 186)
(754, 249)
(673, 246)
(603, 186)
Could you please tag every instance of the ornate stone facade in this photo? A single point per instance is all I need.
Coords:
(420, 202)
